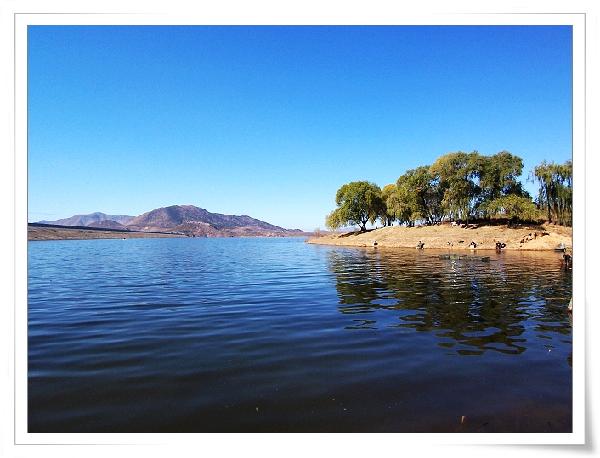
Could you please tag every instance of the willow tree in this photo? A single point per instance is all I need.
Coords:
(421, 192)
(402, 205)
(358, 203)
(458, 174)
(498, 175)
(387, 217)
(555, 194)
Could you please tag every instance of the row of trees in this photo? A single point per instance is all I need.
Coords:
(458, 186)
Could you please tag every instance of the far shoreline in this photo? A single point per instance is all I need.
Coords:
(41, 234)
(45, 232)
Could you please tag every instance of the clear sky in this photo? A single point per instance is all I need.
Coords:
(271, 121)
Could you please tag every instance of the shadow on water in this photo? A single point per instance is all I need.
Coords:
(470, 305)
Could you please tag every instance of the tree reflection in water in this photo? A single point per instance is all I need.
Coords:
(471, 305)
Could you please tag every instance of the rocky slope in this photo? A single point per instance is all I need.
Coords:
(196, 221)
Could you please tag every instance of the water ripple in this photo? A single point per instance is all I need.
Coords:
(189, 335)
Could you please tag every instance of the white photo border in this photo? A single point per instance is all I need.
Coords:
(22, 21)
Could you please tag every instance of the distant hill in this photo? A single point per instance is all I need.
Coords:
(197, 221)
(183, 219)
(108, 224)
(86, 220)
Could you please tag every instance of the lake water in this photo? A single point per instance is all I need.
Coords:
(259, 334)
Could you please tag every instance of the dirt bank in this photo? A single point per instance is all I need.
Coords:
(51, 233)
(534, 238)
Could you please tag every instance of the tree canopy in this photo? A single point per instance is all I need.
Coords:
(358, 203)
(459, 186)
(387, 218)
(458, 174)
(498, 175)
(555, 190)
(417, 197)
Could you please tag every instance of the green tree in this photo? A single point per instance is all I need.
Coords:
(458, 175)
(555, 194)
(401, 204)
(498, 175)
(357, 203)
(387, 217)
(420, 191)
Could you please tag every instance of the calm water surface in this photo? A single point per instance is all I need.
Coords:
(195, 335)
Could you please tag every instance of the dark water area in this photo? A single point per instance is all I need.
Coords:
(249, 335)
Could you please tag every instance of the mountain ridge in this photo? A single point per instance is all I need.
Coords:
(86, 220)
(185, 219)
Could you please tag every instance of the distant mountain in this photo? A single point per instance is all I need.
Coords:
(108, 224)
(184, 219)
(196, 221)
(86, 220)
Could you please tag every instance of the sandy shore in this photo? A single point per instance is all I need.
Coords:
(531, 238)
(52, 233)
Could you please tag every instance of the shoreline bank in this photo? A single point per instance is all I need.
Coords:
(523, 238)
(53, 233)
(47, 233)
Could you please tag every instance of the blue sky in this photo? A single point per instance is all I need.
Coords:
(271, 121)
